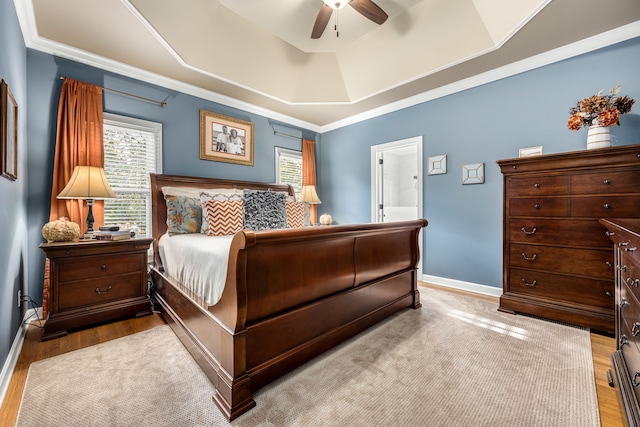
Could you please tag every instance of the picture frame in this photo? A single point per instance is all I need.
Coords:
(473, 173)
(8, 133)
(225, 139)
(530, 151)
(437, 164)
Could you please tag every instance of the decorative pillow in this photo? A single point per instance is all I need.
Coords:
(217, 194)
(264, 210)
(223, 216)
(295, 214)
(184, 215)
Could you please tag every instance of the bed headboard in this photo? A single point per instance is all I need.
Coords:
(159, 207)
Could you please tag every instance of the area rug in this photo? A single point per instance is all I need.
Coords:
(457, 361)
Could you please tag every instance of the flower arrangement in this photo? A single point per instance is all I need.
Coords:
(600, 110)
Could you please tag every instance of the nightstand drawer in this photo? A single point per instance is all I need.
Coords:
(97, 267)
(539, 186)
(91, 292)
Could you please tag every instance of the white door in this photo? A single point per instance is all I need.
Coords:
(396, 182)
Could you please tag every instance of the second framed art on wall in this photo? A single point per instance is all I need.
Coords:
(225, 139)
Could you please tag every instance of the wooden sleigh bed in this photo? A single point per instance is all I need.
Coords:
(289, 294)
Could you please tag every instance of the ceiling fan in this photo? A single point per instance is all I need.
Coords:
(366, 8)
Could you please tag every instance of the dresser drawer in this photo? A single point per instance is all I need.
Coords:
(92, 292)
(539, 207)
(605, 182)
(629, 346)
(606, 206)
(585, 262)
(582, 232)
(591, 292)
(538, 186)
(82, 268)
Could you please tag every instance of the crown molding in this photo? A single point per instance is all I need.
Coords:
(24, 9)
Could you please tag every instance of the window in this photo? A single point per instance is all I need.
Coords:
(289, 169)
(132, 150)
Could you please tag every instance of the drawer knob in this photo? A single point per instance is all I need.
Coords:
(533, 231)
(607, 206)
(99, 292)
(536, 185)
(103, 267)
(630, 249)
(606, 182)
(536, 206)
(623, 302)
(621, 267)
(531, 285)
(610, 233)
(623, 341)
(634, 381)
(533, 258)
(633, 282)
(635, 330)
(608, 264)
(621, 244)
(609, 294)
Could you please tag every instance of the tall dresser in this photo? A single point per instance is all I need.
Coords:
(557, 257)
(625, 234)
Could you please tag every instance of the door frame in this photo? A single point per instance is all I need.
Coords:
(376, 152)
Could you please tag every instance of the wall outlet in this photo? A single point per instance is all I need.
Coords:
(19, 298)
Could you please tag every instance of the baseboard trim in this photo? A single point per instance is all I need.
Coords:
(464, 286)
(14, 352)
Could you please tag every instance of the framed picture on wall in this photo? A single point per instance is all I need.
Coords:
(8, 133)
(438, 164)
(225, 139)
(473, 173)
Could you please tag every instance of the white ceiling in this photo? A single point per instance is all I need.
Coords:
(258, 54)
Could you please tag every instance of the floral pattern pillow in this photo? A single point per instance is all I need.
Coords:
(184, 215)
(264, 210)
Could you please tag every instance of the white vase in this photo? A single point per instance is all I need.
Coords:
(598, 137)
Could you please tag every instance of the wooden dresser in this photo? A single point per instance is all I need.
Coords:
(625, 234)
(95, 281)
(558, 260)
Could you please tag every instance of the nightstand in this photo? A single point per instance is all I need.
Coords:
(95, 281)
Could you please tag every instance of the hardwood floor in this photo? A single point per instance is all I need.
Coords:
(33, 350)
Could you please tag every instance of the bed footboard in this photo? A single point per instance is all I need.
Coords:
(289, 296)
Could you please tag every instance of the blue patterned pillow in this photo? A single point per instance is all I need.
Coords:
(264, 210)
(184, 215)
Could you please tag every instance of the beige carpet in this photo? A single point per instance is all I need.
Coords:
(455, 362)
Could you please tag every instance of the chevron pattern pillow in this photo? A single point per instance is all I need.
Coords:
(295, 214)
(223, 216)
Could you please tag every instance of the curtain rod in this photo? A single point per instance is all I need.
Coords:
(153, 101)
(275, 132)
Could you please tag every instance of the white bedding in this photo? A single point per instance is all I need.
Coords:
(197, 261)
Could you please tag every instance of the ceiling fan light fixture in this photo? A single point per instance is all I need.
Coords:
(336, 5)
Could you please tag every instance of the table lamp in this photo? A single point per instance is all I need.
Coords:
(309, 197)
(87, 183)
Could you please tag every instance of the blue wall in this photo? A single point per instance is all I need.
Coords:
(180, 120)
(14, 262)
(464, 238)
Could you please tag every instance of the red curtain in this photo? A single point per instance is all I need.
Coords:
(78, 143)
(309, 173)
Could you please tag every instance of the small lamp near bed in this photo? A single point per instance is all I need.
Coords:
(309, 197)
(87, 183)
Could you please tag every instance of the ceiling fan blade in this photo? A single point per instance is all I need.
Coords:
(370, 10)
(321, 21)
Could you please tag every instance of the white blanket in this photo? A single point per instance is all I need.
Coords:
(198, 262)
